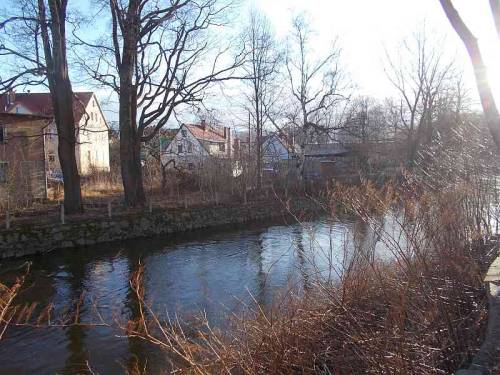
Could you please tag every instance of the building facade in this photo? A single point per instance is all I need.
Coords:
(23, 166)
(92, 149)
(194, 145)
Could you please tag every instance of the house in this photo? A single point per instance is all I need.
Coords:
(23, 169)
(193, 145)
(277, 152)
(92, 149)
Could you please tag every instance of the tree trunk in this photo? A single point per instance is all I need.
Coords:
(130, 149)
(130, 138)
(62, 100)
(490, 109)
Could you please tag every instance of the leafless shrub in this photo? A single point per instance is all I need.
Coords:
(422, 311)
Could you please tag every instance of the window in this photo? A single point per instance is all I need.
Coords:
(190, 166)
(4, 171)
(52, 158)
(184, 133)
(3, 137)
(179, 148)
(222, 147)
(190, 147)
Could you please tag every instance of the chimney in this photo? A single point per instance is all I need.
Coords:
(203, 124)
(227, 137)
(11, 97)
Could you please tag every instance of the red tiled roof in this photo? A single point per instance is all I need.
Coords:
(11, 118)
(40, 103)
(205, 133)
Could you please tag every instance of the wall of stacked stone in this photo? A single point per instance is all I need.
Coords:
(33, 239)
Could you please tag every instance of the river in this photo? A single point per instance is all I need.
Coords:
(216, 271)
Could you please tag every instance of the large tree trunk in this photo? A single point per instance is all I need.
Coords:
(490, 109)
(130, 146)
(62, 100)
(130, 138)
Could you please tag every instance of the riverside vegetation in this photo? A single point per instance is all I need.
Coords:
(422, 310)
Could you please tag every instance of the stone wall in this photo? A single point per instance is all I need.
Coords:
(26, 240)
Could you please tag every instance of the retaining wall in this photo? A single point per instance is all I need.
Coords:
(32, 239)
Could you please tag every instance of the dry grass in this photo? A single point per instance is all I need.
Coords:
(7, 296)
(423, 312)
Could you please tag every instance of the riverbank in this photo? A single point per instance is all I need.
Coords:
(40, 238)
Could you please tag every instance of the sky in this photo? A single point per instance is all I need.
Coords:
(367, 28)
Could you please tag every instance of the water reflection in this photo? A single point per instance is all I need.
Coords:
(216, 272)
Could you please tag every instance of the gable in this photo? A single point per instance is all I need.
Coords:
(274, 147)
(190, 137)
(93, 106)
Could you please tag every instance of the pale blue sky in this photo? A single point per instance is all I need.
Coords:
(365, 29)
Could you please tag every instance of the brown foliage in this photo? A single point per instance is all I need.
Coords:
(423, 311)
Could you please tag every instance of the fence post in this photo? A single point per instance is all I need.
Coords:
(7, 219)
(109, 209)
(63, 219)
(150, 206)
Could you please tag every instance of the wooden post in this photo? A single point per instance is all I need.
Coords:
(109, 209)
(63, 219)
(7, 219)
(150, 206)
(185, 202)
(216, 198)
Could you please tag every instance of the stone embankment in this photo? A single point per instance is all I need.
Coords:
(40, 238)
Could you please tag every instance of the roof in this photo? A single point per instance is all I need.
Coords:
(282, 138)
(40, 103)
(11, 118)
(205, 133)
(325, 149)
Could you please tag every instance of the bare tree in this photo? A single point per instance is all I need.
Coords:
(367, 120)
(317, 87)
(262, 68)
(35, 41)
(485, 93)
(160, 58)
(420, 74)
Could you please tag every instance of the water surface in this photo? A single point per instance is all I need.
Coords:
(215, 271)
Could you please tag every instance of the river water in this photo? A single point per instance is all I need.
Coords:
(215, 271)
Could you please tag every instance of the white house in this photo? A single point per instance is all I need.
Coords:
(92, 150)
(192, 145)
